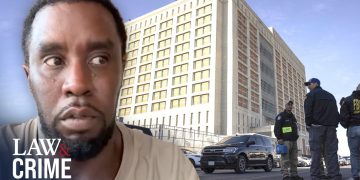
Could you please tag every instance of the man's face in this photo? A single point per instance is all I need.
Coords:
(75, 70)
(312, 86)
(289, 107)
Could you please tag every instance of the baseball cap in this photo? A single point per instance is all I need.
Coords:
(312, 80)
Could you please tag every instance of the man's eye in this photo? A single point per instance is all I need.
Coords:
(54, 61)
(98, 60)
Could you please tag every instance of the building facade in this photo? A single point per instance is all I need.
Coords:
(209, 65)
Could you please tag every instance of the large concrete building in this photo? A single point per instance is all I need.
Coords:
(209, 65)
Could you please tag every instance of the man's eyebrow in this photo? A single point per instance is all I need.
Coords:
(50, 47)
(95, 45)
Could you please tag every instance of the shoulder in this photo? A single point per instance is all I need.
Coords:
(150, 155)
(280, 116)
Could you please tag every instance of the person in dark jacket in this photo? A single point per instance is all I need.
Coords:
(322, 118)
(350, 119)
(286, 133)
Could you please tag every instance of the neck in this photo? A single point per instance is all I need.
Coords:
(105, 165)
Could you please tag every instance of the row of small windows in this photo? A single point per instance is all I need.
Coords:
(178, 91)
(166, 31)
(205, 62)
(178, 80)
(175, 103)
(200, 11)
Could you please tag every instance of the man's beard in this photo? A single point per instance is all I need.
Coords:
(79, 150)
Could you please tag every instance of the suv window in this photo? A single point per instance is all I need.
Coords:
(234, 140)
(259, 141)
(267, 141)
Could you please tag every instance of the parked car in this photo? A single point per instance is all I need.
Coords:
(342, 161)
(347, 158)
(303, 162)
(192, 156)
(277, 161)
(239, 153)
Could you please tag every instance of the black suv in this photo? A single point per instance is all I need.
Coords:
(238, 153)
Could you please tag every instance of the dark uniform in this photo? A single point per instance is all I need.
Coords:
(350, 119)
(322, 119)
(286, 130)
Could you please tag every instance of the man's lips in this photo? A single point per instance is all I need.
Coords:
(79, 119)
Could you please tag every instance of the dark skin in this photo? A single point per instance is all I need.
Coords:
(74, 71)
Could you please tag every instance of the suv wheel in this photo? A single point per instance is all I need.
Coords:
(241, 165)
(208, 170)
(269, 164)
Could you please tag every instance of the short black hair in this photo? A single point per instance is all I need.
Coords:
(107, 4)
(290, 103)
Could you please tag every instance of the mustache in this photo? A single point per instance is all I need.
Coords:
(78, 104)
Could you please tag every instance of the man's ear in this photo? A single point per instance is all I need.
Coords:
(26, 69)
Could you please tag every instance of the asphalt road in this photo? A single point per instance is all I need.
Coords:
(259, 174)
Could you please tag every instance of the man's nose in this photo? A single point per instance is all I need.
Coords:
(78, 80)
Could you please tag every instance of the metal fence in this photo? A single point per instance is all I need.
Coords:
(183, 137)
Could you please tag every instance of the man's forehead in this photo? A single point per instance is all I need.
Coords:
(51, 21)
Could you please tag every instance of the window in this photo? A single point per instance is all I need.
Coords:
(184, 17)
(164, 43)
(199, 87)
(202, 41)
(201, 75)
(162, 63)
(200, 99)
(203, 10)
(134, 36)
(165, 33)
(127, 91)
(181, 58)
(149, 39)
(128, 81)
(143, 88)
(145, 68)
(183, 27)
(144, 77)
(203, 30)
(150, 30)
(203, 20)
(180, 68)
(179, 91)
(160, 84)
(158, 106)
(125, 111)
(142, 98)
(166, 24)
(176, 103)
(161, 73)
(202, 52)
(130, 62)
(183, 37)
(132, 54)
(140, 109)
(182, 47)
(146, 58)
(125, 101)
(133, 45)
(163, 53)
(148, 48)
(180, 80)
(201, 63)
(129, 72)
(159, 95)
